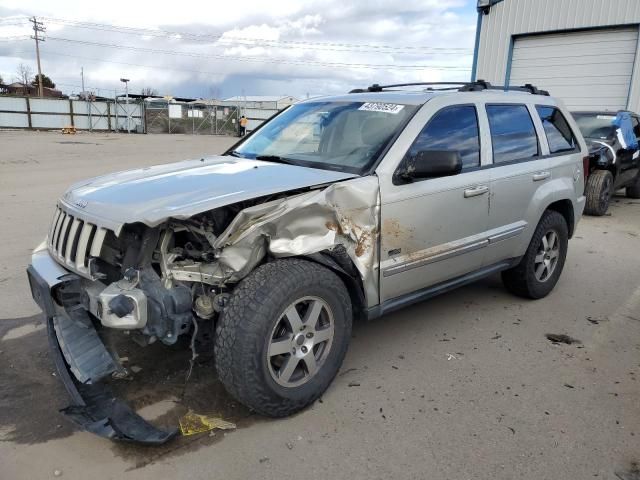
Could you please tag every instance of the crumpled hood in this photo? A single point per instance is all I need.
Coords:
(180, 190)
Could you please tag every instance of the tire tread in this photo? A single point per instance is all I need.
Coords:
(248, 310)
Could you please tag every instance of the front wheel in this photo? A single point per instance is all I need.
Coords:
(540, 268)
(283, 336)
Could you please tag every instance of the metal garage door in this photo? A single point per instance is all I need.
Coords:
(587, 70)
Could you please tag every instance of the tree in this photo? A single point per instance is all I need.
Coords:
(24, 72)
(149, 92)
(46, 81)
(1, 80)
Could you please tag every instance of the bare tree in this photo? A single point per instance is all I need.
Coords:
(24, 73)
(149, 92)
(1, 80)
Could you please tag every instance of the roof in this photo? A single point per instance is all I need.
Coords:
(419, 97)
(259, 98)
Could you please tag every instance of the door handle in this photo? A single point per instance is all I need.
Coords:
(475, 191)
(537, 177)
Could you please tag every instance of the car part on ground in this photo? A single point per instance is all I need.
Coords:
(278, 251)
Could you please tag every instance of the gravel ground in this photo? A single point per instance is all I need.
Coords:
(463, 386)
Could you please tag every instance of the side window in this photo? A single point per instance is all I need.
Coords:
(557, 130)
(452, 128)
(512, 133)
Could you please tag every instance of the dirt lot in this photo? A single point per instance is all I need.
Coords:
(463, 386)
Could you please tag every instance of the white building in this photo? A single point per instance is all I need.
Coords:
(267, 102)
(585, 52)
(258, 108)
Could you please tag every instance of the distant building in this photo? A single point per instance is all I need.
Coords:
(585, 52)
(29, 90)
(258, 108)
(268, 102)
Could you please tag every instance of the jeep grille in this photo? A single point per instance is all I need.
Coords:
(73, 241)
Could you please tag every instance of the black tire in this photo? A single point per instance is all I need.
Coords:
(598, 191)
(245, 329)
(521, 280)
(634, 190)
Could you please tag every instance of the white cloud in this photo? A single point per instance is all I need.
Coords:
(303, 46)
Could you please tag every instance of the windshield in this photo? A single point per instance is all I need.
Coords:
(595, 125)
(346, 136)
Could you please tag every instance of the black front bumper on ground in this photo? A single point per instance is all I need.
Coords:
(94, 407)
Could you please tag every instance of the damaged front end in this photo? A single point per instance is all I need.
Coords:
(172, 278)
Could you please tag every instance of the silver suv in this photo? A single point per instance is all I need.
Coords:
(338, 208)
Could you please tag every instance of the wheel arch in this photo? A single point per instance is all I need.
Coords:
(565, 208)
(344, 267)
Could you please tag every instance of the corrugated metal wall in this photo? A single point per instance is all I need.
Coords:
(50, 113)
(518, 17)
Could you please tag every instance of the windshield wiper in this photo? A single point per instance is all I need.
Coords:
(276, 158)
(234, 153)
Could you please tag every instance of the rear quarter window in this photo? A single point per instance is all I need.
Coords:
(557, 130)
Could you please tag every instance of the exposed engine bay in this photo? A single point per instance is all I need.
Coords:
(158, 282)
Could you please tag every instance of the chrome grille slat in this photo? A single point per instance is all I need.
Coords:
(73, 241)
(98, 239)
(82, 250)
(54, 223)
(61, 236)
(56, 233)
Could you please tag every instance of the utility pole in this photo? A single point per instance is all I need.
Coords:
(126, 93)
(87, 99)
(38, 27)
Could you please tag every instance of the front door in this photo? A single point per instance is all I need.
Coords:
(433, 229)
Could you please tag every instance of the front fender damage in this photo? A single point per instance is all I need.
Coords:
(345, 214)
(341, 219)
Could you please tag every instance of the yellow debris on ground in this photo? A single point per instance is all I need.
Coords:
(69, 129)
(192, 423)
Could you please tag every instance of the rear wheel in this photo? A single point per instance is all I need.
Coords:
(634, 190)
(283, 336)
(599, 191)
(538, 271)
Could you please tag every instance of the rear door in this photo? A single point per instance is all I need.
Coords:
(519, 169)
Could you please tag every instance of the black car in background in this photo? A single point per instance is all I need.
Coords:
(611, 165)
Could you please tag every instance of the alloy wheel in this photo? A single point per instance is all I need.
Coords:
(300, 341)
(547, 256)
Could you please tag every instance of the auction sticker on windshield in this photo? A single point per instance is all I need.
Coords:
(382, 107)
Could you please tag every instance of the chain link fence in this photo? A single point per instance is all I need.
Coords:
(193, 118)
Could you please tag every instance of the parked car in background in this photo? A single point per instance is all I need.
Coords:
(614, 156)
(338, 208)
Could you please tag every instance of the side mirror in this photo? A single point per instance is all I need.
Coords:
(434, 163)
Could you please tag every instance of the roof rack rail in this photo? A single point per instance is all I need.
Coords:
(477, 86)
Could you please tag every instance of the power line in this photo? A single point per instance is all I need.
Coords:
(256, 59)
(331, 46)
(158, 67)
(15, 38)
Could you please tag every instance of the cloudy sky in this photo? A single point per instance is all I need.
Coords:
(221, 48)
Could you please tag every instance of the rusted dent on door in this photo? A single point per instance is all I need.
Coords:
(345, 213)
